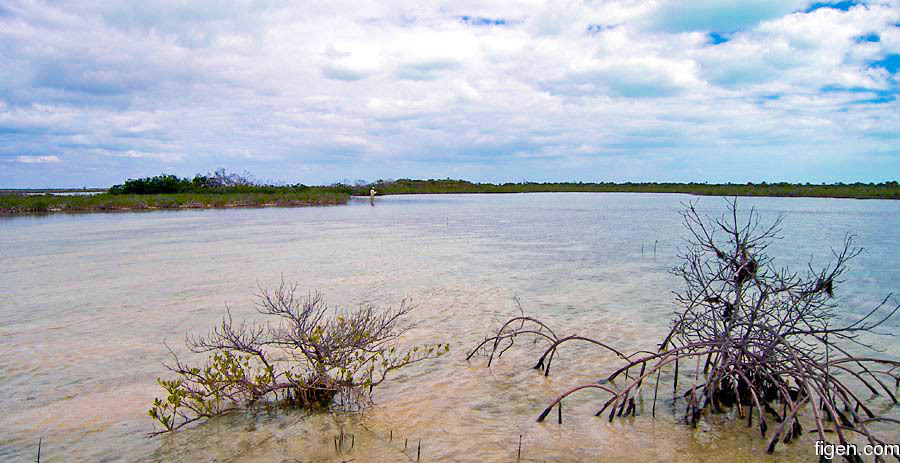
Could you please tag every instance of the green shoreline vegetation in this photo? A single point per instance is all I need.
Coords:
(885, 190)
(110, 202)
(222, 190)
(216, 190)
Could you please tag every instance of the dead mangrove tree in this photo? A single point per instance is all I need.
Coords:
(750, 339)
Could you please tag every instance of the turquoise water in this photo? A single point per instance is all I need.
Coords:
(86, 302)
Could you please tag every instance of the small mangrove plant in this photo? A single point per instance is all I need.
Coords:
(749, 339)
(307, 355)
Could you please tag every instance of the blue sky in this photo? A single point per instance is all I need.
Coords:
(94, 92)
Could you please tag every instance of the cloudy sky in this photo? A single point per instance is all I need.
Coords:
(93, 92)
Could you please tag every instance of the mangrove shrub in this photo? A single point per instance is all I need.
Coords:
(307, 355)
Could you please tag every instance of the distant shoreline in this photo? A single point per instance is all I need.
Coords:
(105, 202)
(14, 191)
(887, 190)
(51, 200)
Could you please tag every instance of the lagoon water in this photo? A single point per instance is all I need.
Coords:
(86, 302)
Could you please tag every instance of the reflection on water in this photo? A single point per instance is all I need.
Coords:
(87, 300)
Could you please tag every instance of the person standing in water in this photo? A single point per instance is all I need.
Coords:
(372, 196)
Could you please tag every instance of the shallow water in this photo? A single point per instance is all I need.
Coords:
(86, 302)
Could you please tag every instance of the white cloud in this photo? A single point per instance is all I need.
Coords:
(716, 15)
(521, 89)
(38, 159)
(804, 51)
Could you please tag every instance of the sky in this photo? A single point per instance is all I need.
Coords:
(95, 92)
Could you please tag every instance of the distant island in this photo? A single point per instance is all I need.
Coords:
(221, 190)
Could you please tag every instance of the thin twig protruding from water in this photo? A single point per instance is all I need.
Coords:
(519, 453)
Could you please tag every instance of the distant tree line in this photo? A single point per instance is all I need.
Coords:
(884, 190)
(219, 181)
(222, 181)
